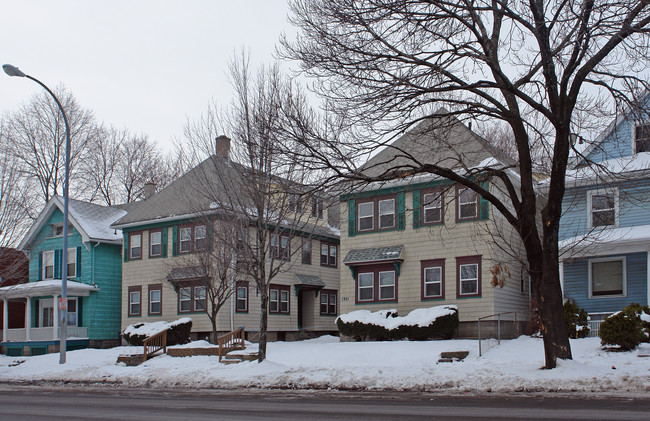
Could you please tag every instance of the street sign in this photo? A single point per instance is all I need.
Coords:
(63, 304)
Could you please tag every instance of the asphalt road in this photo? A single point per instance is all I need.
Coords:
(29, 403)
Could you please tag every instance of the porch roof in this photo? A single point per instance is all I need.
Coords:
(49, 287)
(309, 280)
(375, 254)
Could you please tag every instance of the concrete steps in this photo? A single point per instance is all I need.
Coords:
(452, 356)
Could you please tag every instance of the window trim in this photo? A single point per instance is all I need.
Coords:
(131, 290)
(151, 288)
(375, 217)
(394, 285)
(241, 285)
(423, 207)
(192, 286)
(131, 235)
(372, 216)
(379, 214)
(590, 280)
(192, 240)
(180, 240)
(596, 192)
(277, 251)
(330, 247)
(375, 270)
(306, 244)
(477, 208)
(431, 264)
(154, 231)
(635, 139)
(280, 289)
(469, 260)
(44, 266)
(72, 262)
(329, 293)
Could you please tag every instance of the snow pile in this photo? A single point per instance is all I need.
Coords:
(645, 317)
(150, 329)
(421, 317)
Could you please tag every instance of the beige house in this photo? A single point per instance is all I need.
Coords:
(164, 277)
(423, 241)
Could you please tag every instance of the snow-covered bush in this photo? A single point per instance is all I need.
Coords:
(626, 328)
(178, 331)
(385, 325)
(576, 320)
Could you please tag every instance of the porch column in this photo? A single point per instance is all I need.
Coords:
(5, 320)
(55, 300)
(562, 276)
(28, 319)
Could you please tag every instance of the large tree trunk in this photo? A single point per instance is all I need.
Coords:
(264, 316)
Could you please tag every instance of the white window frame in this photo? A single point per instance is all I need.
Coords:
(461, 203)
(152, 243)
(371, 287)
(72, 261)
(197, 299)
(371, 216)
(73, 321)
(243, 299)
(394, 213)
(185, 299)
(424, 275)
(284, 300)
(131, 237)
(152, 301)
(394, 285)
(275, 301)
(432, 205)
(597, 192)
(461, 280)
(187, 241)
(46, 303)
(204, 236)
(132, 302)
(45, 265)
(623, 261)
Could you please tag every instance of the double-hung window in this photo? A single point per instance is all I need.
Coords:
(366, 287)
(386, 213)
(185, 243)
(603, 208)
(328, 254)
(468, 271)
(467, 203)
(306, 251)
(155, 299)
(48, 264)
(185, 299)
(155, 243)
(376, 283)
(280, 246)
(199, 237)
(387, 285)
(135, 245)
(72, 311)
(366, 216)
(328, 302)
(279, 299)
(72, 262)
(432, 207)
(135, 300)
(433, 278)
(642, 138)
(191, 298)
(607, 277)
(317, 206)
(242, 297)
(376, 214)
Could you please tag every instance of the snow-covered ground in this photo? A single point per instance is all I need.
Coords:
(325, 363)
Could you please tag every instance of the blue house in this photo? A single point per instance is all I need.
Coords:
(94, 281)
(605, 227)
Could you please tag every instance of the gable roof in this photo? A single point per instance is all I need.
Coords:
(91, 220)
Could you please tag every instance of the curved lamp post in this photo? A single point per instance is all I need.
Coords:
(63, 307)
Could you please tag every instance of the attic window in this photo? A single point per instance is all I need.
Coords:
(57, 230)
(642, 138)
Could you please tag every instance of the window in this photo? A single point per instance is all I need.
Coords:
(46, 312)
(376, 283)
(603, 206)
(135, 245)
(386, 213)
(72, 312)
(433, 274)
(607, 277)
(185, 243)
(642, 138)
(280, 246)
(467, 203)
(366, 216)
(242, 297)
(57, 230)
(72, 262)
(306, 251)
(155, 243)
(317, 208)
(328, 254)
(135, 301)
(295, 203)
(432, 207)
(155, 299)
(199, 237)
(328, 302)
(279, 299)
(468, 274)
(192, 298)
(48, 264)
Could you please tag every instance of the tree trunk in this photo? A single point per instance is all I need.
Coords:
(213, 334)
(263, 324)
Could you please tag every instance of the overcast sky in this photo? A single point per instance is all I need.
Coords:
(143, 65)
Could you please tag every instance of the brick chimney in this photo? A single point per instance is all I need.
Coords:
(223, 146)
(149, 189)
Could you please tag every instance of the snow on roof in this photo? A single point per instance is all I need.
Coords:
(49, 287)
(421, 317)
(150, 329)
(608, 236)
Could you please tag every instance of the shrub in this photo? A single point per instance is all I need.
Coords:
(625, 329)
(576, 320)
(178, 332)
(385, 325)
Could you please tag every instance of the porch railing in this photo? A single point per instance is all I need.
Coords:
(43, 334)
(154, 344)
(231, 341)
(510, 316)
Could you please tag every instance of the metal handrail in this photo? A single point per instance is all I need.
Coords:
(498, 315)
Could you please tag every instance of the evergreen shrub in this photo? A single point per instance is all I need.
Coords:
(576, 320)
(625, 329)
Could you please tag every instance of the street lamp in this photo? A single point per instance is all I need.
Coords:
(63, 305)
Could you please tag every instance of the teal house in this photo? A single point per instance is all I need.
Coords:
(605, 227)
(93, 287)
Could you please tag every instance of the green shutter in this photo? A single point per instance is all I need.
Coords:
(351, 218)
(174, 240)
(401, 211)
(57, 263)
(80, 312)
(164, 242)
(39, 275)
(416, 209)
(126, 246)
(484, 204)
(78, 262)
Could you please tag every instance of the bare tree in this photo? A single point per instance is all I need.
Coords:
(544, 69)
(36, 137)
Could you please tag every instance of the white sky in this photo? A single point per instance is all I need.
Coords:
(144, 65)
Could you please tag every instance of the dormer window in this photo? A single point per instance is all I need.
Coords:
(642, 138)
(57, 230)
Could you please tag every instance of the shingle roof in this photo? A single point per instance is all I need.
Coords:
(375, 254)
(310, 280)
(187, 272)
